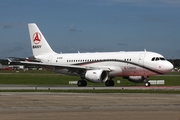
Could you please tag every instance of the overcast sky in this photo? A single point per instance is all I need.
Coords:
(91, 26)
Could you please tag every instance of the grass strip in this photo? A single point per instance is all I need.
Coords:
(101, 91)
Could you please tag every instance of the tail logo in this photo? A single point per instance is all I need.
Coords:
(37, 38)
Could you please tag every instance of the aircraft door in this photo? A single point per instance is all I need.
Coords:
(141, 63)
(141, 59)
(50, 58)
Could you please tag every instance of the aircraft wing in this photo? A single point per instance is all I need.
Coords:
(72, 68)
(16, 59)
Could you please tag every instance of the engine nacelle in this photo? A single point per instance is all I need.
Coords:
(96, 76)
(136, 79)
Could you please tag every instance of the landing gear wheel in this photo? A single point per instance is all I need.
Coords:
(147, 84)
(82, 83)
(109, 83)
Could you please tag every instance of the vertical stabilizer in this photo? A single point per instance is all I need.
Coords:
(38, 43)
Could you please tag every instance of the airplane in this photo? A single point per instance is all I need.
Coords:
(97, 67)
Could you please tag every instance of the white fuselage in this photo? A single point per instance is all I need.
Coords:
(119, 63)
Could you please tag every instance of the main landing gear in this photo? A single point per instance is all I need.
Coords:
(82, 83)
(109, 82)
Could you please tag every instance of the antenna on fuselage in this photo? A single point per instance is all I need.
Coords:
(144, 50)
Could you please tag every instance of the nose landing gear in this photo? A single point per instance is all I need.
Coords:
(147, 84)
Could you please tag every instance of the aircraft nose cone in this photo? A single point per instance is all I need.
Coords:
(168, 67)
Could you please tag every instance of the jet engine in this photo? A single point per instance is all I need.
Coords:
(96, 76)
(135, 79)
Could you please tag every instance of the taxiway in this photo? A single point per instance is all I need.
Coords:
(88, 106)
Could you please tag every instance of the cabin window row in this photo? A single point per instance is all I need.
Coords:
(90, 60)
(127, 59)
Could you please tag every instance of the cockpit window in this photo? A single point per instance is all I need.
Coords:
(158, 58)
(153, 58)
(161, 58)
